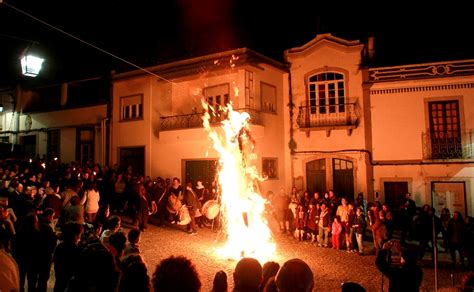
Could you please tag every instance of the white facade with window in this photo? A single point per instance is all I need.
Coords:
(423, 132)
(329, 135)
(74, 134)
(169, 134)
(382, 131)
(323, 121)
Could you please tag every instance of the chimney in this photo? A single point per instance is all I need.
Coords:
(64, 94)
(371, 47)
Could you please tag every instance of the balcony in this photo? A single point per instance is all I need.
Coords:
(448, 147)
(194, 120)
(329, 117)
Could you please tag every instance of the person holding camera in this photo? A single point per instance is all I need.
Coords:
(408, 276)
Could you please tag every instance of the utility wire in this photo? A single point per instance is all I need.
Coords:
(85, 42)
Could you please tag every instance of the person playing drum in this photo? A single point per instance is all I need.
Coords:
(174, 197)
(193, 205)
(203, 196)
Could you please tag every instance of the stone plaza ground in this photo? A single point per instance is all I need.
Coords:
(330, 267)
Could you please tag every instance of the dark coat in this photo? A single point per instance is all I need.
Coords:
(406, 278)
(359, 224)
(191, 200)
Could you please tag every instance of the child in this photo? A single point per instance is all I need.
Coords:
(133, 240)
(113, 223)
(359, 226)
(336, 232)
(300, 221)
(312, 220)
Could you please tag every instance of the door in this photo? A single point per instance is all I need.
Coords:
(343, 174)
(29, 145)
(451, 195)
(395, 196)
(395, 193)
(205, 170)
(316, 176)
(134, 157)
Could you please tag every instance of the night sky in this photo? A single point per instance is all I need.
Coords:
(150, 34)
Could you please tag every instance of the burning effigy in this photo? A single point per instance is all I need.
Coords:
(244, 225)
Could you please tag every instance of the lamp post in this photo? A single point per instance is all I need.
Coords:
(31, 65)
(31, 61)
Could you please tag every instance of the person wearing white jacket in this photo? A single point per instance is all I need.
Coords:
(91, 200)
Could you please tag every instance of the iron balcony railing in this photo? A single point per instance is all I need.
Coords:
(194, 120)
(338, 115)
(444, 146)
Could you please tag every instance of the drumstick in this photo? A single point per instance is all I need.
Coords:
(162, 196)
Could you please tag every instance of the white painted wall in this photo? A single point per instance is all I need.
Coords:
(167, 149)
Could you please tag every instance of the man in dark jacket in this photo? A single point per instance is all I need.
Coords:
(193, 205)
(144, 203)
(405, 278)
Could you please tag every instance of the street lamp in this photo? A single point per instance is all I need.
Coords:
(31, 65)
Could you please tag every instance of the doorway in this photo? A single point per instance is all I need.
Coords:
(451, 195)
(316, 176)
(343, 178)
(205, 170)
(134, 157)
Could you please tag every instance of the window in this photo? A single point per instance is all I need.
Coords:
(54, 143)
(268, 93)
(327, 93)
(85, 145)
(131, 107)
(217, 96)
(270, 168)
(249, 90)
(445, 129)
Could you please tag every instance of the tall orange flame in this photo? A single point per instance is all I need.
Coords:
(242, 207)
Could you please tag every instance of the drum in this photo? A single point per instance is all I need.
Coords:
(184, 218)
(211, 209)
(153, 209)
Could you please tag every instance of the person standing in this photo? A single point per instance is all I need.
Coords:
(324, 226)
(343, 213)
(336, 232)
(456, 235)
(408, 211)
(203, 196)
(144, 205)
(193, 205)
(407, 277)
(359, 228)
(281, 210)
(91, 200)
(46, 244)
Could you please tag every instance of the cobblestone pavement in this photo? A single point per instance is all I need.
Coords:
(330, 267)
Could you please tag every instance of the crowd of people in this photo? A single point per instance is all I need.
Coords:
(340, 223)
(69, 217)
